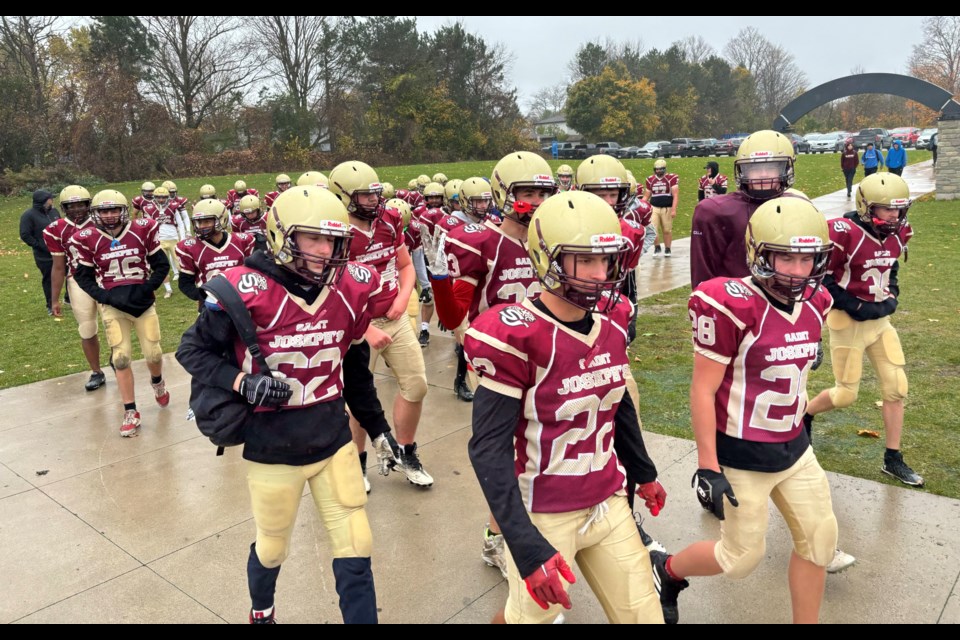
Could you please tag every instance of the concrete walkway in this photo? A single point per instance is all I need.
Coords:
(154, 529)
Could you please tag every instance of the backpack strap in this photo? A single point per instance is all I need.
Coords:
(230, 300)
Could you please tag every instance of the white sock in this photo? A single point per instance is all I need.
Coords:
(166, 285)
(266, 613)
(424, 326)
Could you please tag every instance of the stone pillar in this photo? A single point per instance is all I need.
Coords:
(947, 171)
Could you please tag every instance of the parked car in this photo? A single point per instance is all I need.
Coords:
(582, 151)
(923, 141)
(799, 144)
(610, 149)
(651, 149)
(879, 137)
(703, 147)
(677, 147)
(907, 136)
(824, 143)
(726, 147)
(565, 151)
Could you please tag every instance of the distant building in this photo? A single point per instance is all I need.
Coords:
(555, 128)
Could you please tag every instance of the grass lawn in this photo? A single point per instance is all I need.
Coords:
(34, 347)
(928, 321)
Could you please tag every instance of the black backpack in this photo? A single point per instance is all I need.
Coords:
(222, 415)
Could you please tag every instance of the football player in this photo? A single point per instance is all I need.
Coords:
(428, 215)
(863, 281)
(481, 265)
(555, 434)
(146, 195)
(120, 264)
(239, 191)
(763, 169)
(713, 183)
(174, 227)
(179, 202)
(212, 251)
(299, 433)
(755, 339)
(565, 178)
(378, 243)
(75, 204)
(662, 191)
(250, 219)
(283, 183)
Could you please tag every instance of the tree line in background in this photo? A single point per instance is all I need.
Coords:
(620, 91)
(123, 97)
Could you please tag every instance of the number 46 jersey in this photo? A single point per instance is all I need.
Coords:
(768, 354)
(122, 260)
(569, 385)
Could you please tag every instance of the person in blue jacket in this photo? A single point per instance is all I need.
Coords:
(896, 158)
(871, 160)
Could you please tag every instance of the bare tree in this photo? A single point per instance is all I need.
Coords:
(696, 49)
(937, 58)
(292, 44)
(200, 64)
(547, 102)
(23, 40)
(777, 76)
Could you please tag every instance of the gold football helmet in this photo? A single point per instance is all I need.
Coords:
(886, 190)
(109, 210)
(207, 209)
(476, 197)
(602, 172)
(788, 225)
(763, 167)
(75, 202)
(517, 170)
(349, 180)
(314, 210)
(577, 223)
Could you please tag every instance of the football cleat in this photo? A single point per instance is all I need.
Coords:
(494, 551)
(160, 393)
(131, 423)
(97, 380)
(408, 462)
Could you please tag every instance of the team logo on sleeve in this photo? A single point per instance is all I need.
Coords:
(252, 283)
(143, 222)
(241, 236)
(189, 242)
(473, 228)
(85, 233)
(516, 317)
(359, 273)
(840, 226)
(736, 289)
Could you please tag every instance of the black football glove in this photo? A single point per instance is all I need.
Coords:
(817, 361)
(711, 487)
(264, 391)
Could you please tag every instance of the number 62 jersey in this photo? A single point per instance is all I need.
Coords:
(768, 353)
(570, 386)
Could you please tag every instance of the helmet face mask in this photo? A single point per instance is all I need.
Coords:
(359, 189)
(578, 289)
(788, 227)
(209, 209)
(331, 266)
(75, 202)
(883, 201)
(111, 218)
(206, 231)
(603, 174)
(171, 188)
(763, 166)
(146, 190)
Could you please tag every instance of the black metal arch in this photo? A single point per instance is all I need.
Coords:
(926, 93)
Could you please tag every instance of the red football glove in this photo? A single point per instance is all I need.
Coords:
(654, 496)
(544, 584)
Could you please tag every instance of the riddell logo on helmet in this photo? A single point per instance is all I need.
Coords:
(805, 241)
(542, 178)
(604, 240)
(761, 154)
(899, 202)
(610, 180)
(374, 186)
(332, 225)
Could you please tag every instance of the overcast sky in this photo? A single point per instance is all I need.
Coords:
(825, 47)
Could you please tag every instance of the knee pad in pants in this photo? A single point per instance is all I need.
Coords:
(743, 562)
(890, 368)
(120, 347)
(271, 550)
(821, 543)
(847, 369)
(150, 339)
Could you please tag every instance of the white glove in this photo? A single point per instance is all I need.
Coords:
(436, 254)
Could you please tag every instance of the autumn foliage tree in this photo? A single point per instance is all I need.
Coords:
(613, 106)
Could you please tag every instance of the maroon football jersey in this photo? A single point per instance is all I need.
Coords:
(179, 203)
(377, 248)
(122, 260)
(428, 218)
(639, 211)
(768, 354)
(233, 198)
(240, 224)
(570, 386)
(633, 233)
(167, 215)
(203, 260)
(709, 189)
(304, 342)
(269, 198)
(58, 235)
(660, 189)
(411, 236)
(412, 198)
(138, 202)
(493, 262)
(861, 263)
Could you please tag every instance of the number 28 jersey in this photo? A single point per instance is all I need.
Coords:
(570, 386)
(122, 260)
(768, 354)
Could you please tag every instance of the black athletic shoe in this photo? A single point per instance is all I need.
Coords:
(424, 338)
(96, 381)
(893, 465)
(462, 390)
(667, 587)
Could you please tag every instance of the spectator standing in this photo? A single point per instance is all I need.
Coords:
(872, 160)
(849, 161)
(32, 223)
(896, 158)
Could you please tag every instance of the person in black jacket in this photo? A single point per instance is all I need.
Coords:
(309, 304)
(32, 223)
